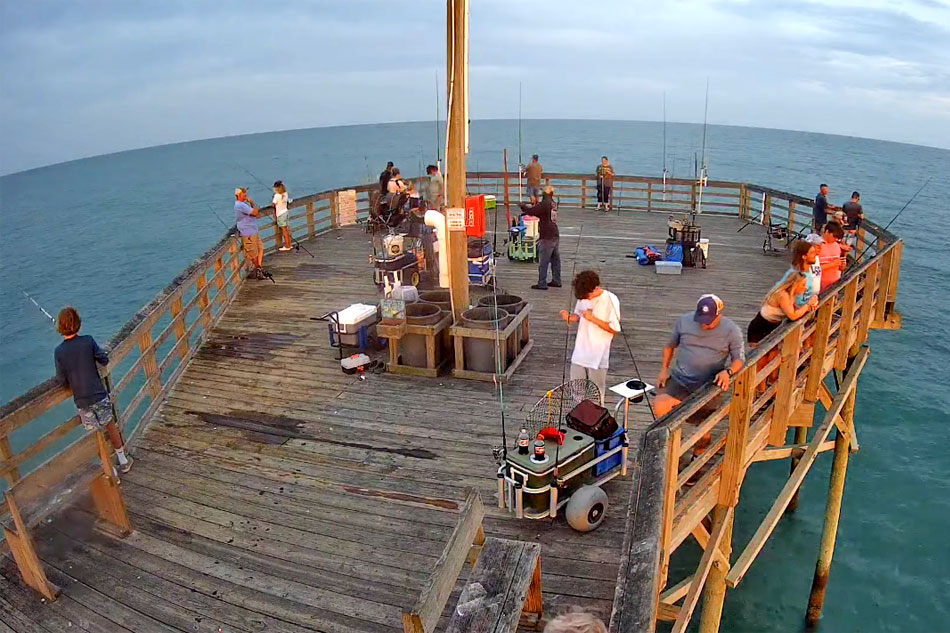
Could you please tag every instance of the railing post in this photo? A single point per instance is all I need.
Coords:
(181, 343)
(692, 197)
(335, 209)
(740, 412)
(819, 349)
(219, 280)
(767, 210)
(583, 193)
(278, 240)
(148, 362)
(669, 505)
(791, 216)
(234, 262)
(867, 306)
(880, 303)
(311, 223)
(649, 196)
(787, 374)
(846, 325)
(6, 453)
(201, 284)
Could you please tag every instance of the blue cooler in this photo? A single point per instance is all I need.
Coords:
(605, 446)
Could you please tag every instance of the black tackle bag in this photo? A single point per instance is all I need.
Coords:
(593, 419)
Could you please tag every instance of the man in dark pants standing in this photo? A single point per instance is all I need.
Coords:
(548, 238)
(821, 208)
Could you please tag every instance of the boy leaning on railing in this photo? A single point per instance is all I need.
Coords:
(77, 359)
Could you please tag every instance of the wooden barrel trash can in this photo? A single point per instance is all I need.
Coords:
(412, 347)
(479, 354)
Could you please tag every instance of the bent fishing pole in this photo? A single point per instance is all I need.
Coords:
(43, 310)
(297, 244)
(232, 231)
(888, 225)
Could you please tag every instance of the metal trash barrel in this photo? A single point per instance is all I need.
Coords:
(480, 353)
(412, 347)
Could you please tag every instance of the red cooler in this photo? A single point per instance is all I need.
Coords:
(475, 216)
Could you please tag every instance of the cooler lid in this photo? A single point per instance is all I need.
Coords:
(355, 313)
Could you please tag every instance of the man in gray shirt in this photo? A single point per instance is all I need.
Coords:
(707, 346)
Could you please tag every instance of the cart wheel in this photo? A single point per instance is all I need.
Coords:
(414, 278)
(586, 508)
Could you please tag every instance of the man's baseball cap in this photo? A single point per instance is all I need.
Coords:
(813, 238)
(707, 309)
(239, 190)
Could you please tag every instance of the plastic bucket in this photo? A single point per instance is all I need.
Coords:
(412, 347)
(480, 353)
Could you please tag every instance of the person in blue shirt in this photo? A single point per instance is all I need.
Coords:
(821, 208)
(245, 215)
(77, 361)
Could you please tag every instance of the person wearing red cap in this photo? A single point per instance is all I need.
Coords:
(707, 346)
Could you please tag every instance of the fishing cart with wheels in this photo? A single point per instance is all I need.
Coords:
(481, 262)
(398, 258)
(565, 469)
(686, 243)
(523, 240)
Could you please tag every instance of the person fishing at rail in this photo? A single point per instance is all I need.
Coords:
(533, 172)
(384, 177)
(854, 214)
(549, 238)
(597, 313)
(77, 359)
(280, 202)
(245, 215)
(821, 208)
(605, 183)
(704, 346)
(435, 187)
(779, 304)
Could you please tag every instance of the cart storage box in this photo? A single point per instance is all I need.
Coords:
(577, 449)
(605, 446)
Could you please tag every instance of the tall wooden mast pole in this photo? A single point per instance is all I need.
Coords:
(457, 94)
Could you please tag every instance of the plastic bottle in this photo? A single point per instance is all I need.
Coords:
(524, 442)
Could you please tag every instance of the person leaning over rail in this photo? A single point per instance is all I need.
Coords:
(597, 314)
(245, 215)
(706, 346)
(77, 359)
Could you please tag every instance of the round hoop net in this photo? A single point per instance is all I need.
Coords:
(553, 407)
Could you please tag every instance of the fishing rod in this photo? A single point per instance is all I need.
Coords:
(438, 137)
(43, 310)
(664, 147)
(232, 231)
(888, 225)
(297, 244)
(703, 166)
(520, 164)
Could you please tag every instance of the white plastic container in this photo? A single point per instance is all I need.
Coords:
(531, 226)
(704, 245)
(668, 268)
(352, 317)
(393, 245)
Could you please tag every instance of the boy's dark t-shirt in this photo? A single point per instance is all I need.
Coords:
(76, 368)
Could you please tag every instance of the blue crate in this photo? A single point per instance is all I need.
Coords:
(604, 446)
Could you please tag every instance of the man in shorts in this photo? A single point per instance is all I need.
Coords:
(77, 359)
(245, 215)
(854, 213)
(533, 172)
(707, 346)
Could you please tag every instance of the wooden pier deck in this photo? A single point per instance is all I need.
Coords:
(274, 493)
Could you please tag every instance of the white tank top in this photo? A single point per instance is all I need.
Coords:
(775, 314)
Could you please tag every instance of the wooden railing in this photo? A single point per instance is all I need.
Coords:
(151, 351)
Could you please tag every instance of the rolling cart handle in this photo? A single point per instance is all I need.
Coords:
(333, 323)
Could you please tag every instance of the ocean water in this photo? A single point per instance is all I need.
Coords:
(106, 233)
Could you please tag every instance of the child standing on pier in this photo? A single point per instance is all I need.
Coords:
(280, 211)
(76, 367)
(597, 313)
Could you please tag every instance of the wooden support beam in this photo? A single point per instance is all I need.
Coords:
(846, 427)
(740, 411)
(714, 594)
(819, 349)
(792, 450)
(720, 526)
(846, 325)
(677, 591)
(702, 537)
(457, 98)
(819, 585)
(669, 505)
(762, 534)
(24, 553)
(867, 306)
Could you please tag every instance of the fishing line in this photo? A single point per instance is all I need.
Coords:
(262, 184)
(888, 225)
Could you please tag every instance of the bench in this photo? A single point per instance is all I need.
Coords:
(504, 586)
(51, 486)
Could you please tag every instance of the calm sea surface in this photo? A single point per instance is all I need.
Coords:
(105, 234)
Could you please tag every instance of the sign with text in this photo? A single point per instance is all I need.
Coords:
(455, 219)
(346, 207)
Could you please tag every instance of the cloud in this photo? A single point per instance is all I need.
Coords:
(79, 79)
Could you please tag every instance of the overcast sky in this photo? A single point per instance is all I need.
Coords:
(80, 78)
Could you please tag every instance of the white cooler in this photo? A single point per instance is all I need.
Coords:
(352, 318)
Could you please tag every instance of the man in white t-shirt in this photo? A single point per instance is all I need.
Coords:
(597, 314)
